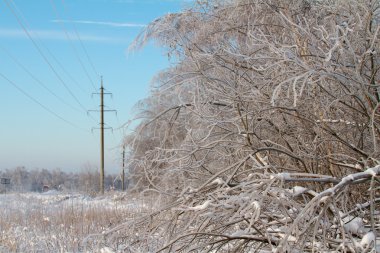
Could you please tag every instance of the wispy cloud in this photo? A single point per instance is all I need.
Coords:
(104, 23)
(57, 35)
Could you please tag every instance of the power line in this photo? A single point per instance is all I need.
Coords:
(80, 40)
(50, 53)
(46, 60)
(40, 82)
(64, 69)
(37, 80)
(85, 51)
(43, 55)
(71, 43)
(40, 104)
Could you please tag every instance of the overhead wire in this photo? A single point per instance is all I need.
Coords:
(25, 28)
(71, 44)
(37, 80)
(83, 47)
(74, 49)
(64, 70)
(80, 40)
(52, 55)
(71, 77)
(40, 104)
(43, 55)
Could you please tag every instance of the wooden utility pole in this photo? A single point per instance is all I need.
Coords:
(101, 136)
(123, 171)
(102, 127)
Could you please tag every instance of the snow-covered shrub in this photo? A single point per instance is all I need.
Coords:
(259, 135)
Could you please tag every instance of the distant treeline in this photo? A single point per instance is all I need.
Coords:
(37, 180)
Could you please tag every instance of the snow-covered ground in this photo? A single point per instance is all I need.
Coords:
(60, 222)
(72, 222)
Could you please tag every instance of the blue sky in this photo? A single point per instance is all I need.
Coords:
(47, 81)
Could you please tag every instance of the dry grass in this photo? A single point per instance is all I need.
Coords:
(32, 222)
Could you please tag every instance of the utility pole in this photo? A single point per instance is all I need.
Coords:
(102, 124)
(101, 136)
(123, 171)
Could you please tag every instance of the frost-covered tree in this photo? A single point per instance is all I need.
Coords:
(25, 180)
(265, 133)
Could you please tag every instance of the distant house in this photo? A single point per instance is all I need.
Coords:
(4, 180)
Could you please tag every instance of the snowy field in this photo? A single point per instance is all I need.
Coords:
(61, 222)
(70, 222)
